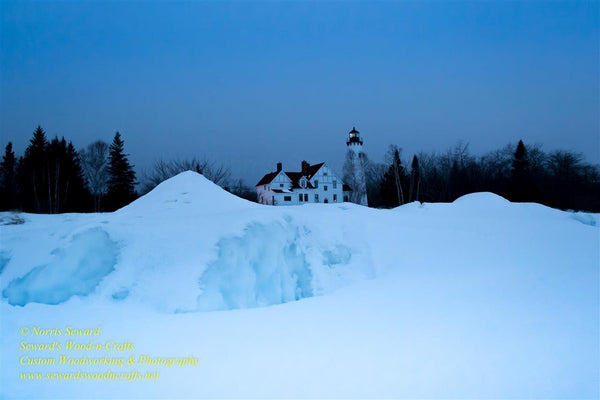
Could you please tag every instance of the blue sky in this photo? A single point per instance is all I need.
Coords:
(248, 84)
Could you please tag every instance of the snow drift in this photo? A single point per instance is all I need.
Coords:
(188, 245)
(76, 270)
(477, 298)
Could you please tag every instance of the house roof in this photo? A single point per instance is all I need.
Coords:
(294, 176)
(267, 178)
(313, 169)
(346, 188)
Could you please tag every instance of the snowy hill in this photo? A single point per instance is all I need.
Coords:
(478, 298)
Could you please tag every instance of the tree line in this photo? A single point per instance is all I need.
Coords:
(519, 173)
(53, 177)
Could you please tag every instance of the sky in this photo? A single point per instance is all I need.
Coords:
(249, 84)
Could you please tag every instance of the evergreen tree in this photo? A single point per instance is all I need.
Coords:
(121, 177)
(520, 164)
(391, 190)
(77, 197)
(62, 186)
(32, 174)
(8, 179)
(55, 171)
(522, 187)
(415, 180)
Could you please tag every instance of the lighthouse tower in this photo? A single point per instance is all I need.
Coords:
(354, 168)
(354, 141)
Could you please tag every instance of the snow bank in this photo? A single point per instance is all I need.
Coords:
(76, 270)
(4, 259)
(186, 191)
(263, 267)
(477, 298)
(188, 245)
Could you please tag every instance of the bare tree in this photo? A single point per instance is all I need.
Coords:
(94, 160)
(565, 166)
(354, 170)
(392, 158)
(164, 170)
(375, 173)
(240, 189)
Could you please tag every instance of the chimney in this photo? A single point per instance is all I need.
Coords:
(279, 167)
(305, 166)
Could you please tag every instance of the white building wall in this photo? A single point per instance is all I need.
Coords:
(265, 192)
(324, 181)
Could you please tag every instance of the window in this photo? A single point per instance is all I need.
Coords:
(316, 198)
(324, 173)
(346, 199)
(325, 201)
(335, 184)
(325, 188)
(265, 187)
(305, 196)
(335, 198)
(300, 197)
(287, 198)
(316, 184)
(281, 185)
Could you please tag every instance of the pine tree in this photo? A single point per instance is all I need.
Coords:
(77, 197)
(522, 187)
(520, 164)
(8, 179)
(392, 193)
(55, 155)
(415, 180)
(32, 174)
(121, 177)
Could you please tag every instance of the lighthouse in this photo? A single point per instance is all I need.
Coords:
(354, 168)
(354, 141)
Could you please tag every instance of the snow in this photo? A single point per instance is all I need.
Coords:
(263, 267)
(76, 270)
(477, 298)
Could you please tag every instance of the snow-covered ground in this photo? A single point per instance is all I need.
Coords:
(480, 298)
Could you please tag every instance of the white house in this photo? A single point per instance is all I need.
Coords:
(313, 184)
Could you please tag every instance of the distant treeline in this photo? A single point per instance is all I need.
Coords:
(520, 173)
(53, 177)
